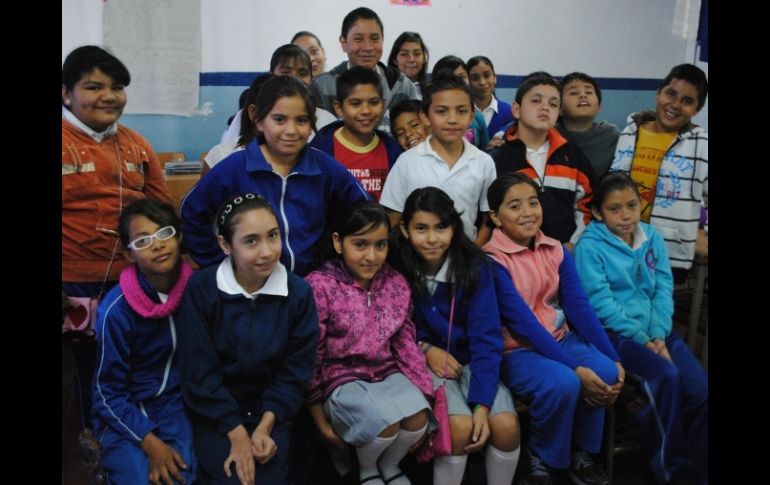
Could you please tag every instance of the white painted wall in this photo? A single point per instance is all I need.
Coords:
(606, 38)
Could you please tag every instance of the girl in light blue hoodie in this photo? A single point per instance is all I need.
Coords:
(625, 271)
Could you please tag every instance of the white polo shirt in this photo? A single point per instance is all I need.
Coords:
(489, 111)
(466, 183)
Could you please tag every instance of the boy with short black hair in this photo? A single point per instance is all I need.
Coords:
(535, 148)
(405, 123)
(581, 100)
(365, 151)
(445, 159)
(667, 156)
(362, 39)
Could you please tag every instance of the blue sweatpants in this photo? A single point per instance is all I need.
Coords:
(677, 416)
(558, 415)
(125, 461)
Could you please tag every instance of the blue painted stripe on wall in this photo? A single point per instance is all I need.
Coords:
(503, 81)
(624, 83)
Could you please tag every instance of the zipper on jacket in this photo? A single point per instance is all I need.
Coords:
(368, 299)
(284, 181)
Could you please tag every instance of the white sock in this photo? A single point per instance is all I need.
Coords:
(501, 465)
(449, 470)
(391, 457)
(367, 458)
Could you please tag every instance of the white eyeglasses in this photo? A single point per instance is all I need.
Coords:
(145, 242)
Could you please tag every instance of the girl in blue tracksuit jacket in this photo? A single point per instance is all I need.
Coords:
(138, 413)
(625, 271)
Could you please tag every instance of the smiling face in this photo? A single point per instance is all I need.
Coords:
(361, 110)
(676, 104)
(363, 44)
(364, 252)
(161, 257)
(409, 130)
(430, 238)
(255, 247)
(410, 59)
(620, 211)
(538, 110)
(317, 54)
(520, 215)
(579, 101)
(286, 128)
(96, 99)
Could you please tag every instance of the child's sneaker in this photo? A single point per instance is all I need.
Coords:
(585, 471)
(539, 473)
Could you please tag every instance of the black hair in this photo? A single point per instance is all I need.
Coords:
(404, 106)
(248, 130)
(353, 77)
(161, 213)
(580, 76)
(401, 40)
(290, 52)
(305, 33)
(693, 75)
(475, 61)
(447, 65)
(226, 215)
(443, 83)
(85, 59)
(362, 215)
(499, 187)
(357, 14)
(537, 78)
(278, 87)
(464, 255)
(609, 183)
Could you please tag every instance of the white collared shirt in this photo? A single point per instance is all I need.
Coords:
(489, 111)
(74, 121)
(276, 284)
(639, 237)
(466, 182)
(431, 282)
(538, 158)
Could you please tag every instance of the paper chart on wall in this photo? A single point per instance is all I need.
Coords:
(159, 41)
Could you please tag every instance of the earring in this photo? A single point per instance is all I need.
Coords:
(67, 102)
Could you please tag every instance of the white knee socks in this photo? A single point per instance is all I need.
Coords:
(501, 465)
(392, 456)
(367, 458)
(449, 470)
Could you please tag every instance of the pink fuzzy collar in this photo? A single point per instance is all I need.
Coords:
(142, 304)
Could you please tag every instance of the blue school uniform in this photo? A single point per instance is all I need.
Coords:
(631, 290)
(136, 388)
(303, 202)
(241, 356)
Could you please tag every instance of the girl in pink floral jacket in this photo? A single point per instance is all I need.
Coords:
(370, 380)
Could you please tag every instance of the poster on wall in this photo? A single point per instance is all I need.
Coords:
(160, 44)
(412, 3)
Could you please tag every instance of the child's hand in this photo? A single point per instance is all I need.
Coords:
(164, 461)
(240, 454)
(495, 142)
(663, 351)
(618, 385)
(329, 435)
(262, 446)
(480, 433)
(596, 392)
(435, 360)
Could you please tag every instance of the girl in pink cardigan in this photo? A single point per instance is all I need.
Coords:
(370, 381)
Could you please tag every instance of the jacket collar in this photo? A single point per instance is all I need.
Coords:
(502, 242)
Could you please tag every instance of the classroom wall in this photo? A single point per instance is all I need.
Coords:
(628, 45)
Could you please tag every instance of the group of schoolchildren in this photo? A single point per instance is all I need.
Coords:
(352, 275)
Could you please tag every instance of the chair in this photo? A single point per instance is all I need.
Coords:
(165, 157)
(621, 433)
